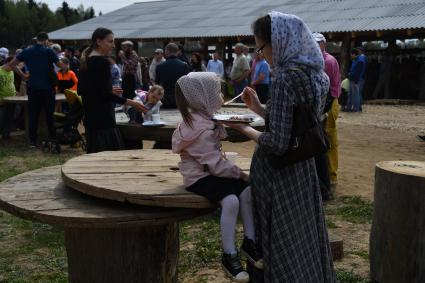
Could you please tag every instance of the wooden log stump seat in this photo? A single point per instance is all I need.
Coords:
(337, 246)
(106, 241)
(397, 240)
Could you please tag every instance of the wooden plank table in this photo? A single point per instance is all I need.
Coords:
(171, 118)
(23, 100)
(146, 177)
(106, 241)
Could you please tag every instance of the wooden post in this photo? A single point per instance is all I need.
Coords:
(128, 254)
(345, 55)
(229, 45)
(397, 240)
(204, 44)
(220, 48)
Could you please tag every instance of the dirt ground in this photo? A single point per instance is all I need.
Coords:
(379, 133)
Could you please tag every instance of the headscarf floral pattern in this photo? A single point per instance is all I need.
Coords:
(293, 45)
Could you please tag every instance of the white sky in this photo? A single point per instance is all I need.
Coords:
(105, 6)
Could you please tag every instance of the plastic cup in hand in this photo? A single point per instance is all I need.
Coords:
(156, 118)
(231, 156)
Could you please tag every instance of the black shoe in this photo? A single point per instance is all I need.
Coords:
(51, 145)
(421, 138)
(232, 267)
(249, 250)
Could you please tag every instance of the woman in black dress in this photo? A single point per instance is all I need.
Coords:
(99, 97)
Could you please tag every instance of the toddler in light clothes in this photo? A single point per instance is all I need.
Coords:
(208, 173)
(151, 100)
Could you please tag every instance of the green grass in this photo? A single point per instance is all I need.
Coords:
(363, 254)
(16, 157)
(344, 276)
(30, 251)
(351, 208)
(330, 224)
(202, 238)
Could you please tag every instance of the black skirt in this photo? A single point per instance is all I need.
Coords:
(216, 188)
(104, 140)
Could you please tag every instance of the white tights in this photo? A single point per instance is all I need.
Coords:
(229, 216)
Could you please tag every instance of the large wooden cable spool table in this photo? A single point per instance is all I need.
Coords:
(107, 238)
(143, 177)
(106, 241)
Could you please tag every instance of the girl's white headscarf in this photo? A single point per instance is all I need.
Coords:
(293, 45)
(202, 91)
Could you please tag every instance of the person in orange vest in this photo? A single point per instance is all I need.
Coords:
(67, 78)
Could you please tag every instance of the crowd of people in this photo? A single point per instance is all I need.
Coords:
(43, 69)
(283, 219)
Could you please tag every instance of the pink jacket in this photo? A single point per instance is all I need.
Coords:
(200, 151)
(332, 70)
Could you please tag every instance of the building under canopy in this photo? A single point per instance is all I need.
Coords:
(383, 27)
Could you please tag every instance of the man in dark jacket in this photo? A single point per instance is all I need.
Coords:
(168, 73)
(41, 95)
(356, 77)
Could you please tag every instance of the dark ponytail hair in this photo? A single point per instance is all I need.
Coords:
(99, 33)
(262, 28)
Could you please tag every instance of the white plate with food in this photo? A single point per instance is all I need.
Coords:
(237, 118)
(153, 124)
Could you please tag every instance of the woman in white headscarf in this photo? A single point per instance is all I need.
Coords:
(288, 207)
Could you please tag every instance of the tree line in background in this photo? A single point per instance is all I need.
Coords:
(21, 20)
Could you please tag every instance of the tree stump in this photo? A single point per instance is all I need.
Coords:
(397, 240)
(337, 247)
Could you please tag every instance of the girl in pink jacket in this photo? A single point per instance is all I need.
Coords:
(208, 173)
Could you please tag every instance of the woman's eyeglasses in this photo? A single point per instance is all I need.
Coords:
(260, 50)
